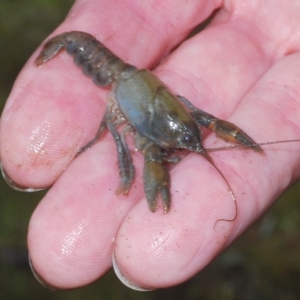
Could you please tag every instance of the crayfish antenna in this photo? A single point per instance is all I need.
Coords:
(204, 153)
(237, 146)
(209, 159)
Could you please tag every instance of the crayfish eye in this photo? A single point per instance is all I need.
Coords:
(187, 138)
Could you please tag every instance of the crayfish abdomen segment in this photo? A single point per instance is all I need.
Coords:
(95, 59)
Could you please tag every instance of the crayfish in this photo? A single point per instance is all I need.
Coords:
(162, 121)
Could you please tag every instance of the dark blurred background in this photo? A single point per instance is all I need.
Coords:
(263, 264)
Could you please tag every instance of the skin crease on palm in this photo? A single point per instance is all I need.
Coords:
(245, 68)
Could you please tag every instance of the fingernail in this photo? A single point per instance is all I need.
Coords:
(15, 186)
(125, 280)
(39, 278)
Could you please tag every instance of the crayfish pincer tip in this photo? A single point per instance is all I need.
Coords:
(152, 206)
(258, 149)
(39, 60)
(166, 210)
(152, 209)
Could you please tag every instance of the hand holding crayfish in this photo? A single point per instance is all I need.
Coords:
(54, 110)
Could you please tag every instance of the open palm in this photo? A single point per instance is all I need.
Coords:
(244, 67)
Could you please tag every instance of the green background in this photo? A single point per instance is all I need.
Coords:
(263, 264)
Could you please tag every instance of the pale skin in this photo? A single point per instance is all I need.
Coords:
(244, 68)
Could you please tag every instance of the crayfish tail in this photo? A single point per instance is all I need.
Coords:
(95, 59)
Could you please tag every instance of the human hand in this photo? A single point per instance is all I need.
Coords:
(237, 69)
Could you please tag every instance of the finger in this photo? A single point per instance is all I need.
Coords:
(53, 109)
(74, 225)
(172, 248)
(218, 66)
